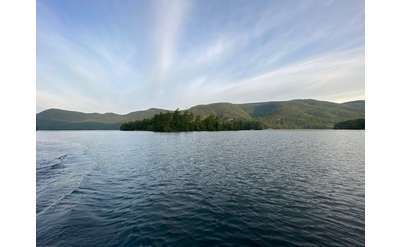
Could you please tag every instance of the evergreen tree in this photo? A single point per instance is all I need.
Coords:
(186, 121)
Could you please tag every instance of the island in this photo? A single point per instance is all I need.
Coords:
(186, 121)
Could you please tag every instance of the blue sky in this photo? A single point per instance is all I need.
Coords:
(121, 56)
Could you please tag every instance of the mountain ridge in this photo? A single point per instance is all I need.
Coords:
(291, 114)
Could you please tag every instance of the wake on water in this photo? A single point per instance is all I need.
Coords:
(59, 172)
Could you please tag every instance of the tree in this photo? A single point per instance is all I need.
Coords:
(186, 121)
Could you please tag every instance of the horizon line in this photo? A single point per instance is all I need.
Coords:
(203, 104)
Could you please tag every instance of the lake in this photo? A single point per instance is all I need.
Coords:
(239, 188)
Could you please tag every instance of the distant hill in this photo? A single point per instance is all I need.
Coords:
(57, 119)
(302, 114)
(358, 105)
(224, 110)
(293, 114)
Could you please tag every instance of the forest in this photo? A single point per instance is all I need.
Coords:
(186, 121)
(356, 124)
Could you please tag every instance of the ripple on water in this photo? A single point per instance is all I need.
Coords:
(247, 188)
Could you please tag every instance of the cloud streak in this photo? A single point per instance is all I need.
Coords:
(324, 77)
(169, 17)
(114, 56)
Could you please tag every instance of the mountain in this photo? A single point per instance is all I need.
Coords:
(358, 105)
(57, 119)
(302, 114)
(293, 114)
(224, 110)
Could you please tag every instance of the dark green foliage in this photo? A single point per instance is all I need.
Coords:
(186, 121)
(356, 124)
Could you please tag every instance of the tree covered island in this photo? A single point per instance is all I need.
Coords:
(186, 121)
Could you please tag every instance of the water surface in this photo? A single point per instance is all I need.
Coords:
(241, 188)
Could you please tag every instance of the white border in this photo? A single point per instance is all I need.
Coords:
(17, 131)
(17, 138)
(382, 123)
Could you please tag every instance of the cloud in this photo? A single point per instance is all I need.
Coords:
(325, 77)
(169, 15)
(120, 57)
(214, 51)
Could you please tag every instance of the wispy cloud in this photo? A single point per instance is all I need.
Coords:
(124, 56)
(323, 77)
(169, 17)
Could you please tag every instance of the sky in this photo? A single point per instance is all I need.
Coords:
(123, 56)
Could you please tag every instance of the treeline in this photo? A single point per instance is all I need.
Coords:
(356, 124)
(186, 121)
